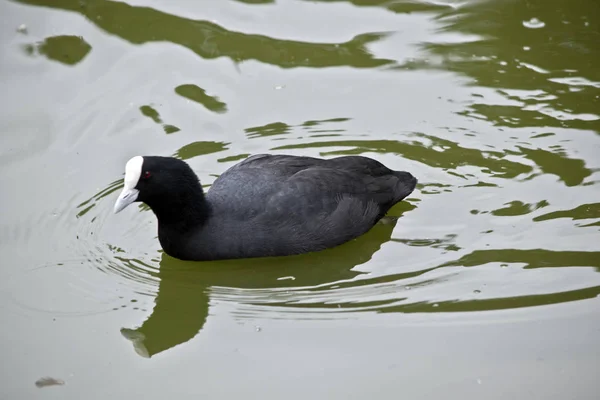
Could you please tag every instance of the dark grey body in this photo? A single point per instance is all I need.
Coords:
(273, 205)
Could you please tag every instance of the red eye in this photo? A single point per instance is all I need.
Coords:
(147, 174)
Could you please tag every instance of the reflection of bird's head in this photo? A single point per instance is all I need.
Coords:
(137, 339)
(182, 302)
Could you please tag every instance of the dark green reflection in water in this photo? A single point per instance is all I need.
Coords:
(198, 95)
(445, 243)
(170, 128)
(143, 25)
(537, 258)
(65, 49)
(183, 295)
(518, 208)
(557, 63)
(281, 128)
(272, 129)
(151, 113)
(531, 258)
(571, 171)
(584, 211)
(397, 6)
(200, 148)
(238, 157)
(497, 304)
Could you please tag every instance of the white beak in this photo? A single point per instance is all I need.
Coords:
(126, 197)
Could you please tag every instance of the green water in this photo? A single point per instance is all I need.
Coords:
(485, 287)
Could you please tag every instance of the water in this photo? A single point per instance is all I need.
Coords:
(484, 285)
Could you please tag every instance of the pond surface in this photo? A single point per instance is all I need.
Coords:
(485, 287)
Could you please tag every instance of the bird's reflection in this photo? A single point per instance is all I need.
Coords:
(183, 296)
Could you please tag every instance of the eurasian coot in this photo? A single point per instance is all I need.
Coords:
(266, 205)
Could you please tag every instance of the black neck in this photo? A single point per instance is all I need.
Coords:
(184, 210)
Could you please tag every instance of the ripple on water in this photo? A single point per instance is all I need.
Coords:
(447, 288)
(99, 276)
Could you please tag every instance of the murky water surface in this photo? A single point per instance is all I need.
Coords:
(485, 287)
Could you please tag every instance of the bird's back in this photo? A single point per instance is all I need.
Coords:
(278, 204)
